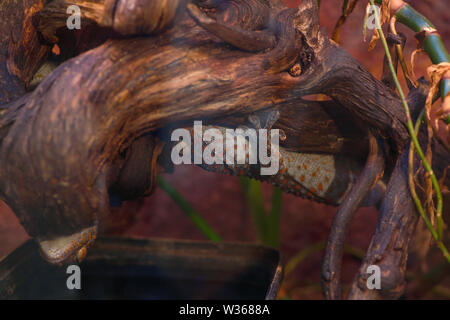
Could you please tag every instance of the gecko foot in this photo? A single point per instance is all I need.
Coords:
(68, 249)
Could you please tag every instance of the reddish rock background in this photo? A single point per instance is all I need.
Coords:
(221, 201)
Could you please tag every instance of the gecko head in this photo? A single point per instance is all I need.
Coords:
(68, 249)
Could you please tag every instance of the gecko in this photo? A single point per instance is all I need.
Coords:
(323, 178)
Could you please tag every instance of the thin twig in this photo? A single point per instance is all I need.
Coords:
(347, 9)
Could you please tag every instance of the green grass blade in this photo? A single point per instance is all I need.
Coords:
(273, 225)
(187, 208)
(252, 189)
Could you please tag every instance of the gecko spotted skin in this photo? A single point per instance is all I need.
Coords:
(315, 176)
(68, 249)
(323, 178)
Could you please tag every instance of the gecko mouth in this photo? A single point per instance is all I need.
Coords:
(68, 249)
